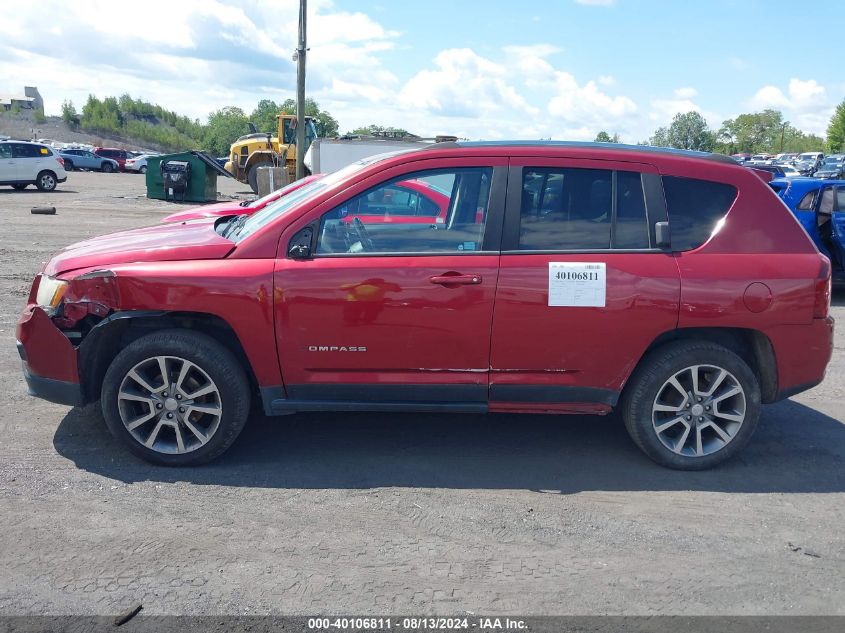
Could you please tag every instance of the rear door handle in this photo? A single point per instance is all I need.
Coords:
(456, 279)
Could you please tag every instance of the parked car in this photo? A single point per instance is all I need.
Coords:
(233, 207)
(819, 205)
(806, 168)
(23, 163)
(83, 159)
(776, 170)
(117, 155)
(831, 167)
(671, 285)
(137, 164)
(741, 158)
(789, 170)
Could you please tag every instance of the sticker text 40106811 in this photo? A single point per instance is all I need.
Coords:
(577, 284)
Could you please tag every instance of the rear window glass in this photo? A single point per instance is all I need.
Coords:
(695, 209)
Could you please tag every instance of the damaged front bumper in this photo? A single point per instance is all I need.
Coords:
(49, 359)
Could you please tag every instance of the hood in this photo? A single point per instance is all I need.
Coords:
(218, 210)
(163, 242)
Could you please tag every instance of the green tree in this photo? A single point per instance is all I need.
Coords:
(604, 137)
(224, 127)
(264, 116)
(69, 115)
(660, 138)
(690, 131)
(380, 130)
(752, 132)
(836, 129)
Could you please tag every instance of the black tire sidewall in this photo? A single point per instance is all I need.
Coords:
(652, 373)
(252, 174)
(107, 168)
(143, 170)
(68, 165)
(217, 361)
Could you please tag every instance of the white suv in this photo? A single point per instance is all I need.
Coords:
(23, 164)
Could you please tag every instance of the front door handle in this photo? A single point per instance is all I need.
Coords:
(456, 279)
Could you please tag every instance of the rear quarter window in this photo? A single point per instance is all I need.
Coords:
(695, 208)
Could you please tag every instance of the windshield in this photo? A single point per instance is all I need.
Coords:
(272, 211)
(288, 202)
(275, 195)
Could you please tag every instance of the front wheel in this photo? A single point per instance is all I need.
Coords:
(107, 168)
(691, 405)
(176, 398)
(143, 169)
(68, 165)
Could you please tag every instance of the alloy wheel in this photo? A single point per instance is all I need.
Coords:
(699, 410)
(169, 405)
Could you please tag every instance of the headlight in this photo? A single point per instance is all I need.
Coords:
(50, 293)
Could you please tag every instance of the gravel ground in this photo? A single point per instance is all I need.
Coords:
(366, 513)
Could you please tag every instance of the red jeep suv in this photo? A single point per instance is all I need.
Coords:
(563, 278)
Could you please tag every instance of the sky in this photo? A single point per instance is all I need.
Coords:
(478, 69)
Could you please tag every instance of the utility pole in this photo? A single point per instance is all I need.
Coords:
(300, 92)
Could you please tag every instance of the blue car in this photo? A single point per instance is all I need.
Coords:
(819, 206)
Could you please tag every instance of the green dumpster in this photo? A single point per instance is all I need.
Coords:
(202, 182)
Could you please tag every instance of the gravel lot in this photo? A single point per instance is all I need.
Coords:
(366, 513)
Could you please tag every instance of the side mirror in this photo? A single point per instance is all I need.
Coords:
(661, 234)
(300, 245)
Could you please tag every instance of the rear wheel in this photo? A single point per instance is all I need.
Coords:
(691, 405)
(107, 168)
(143, 169)
(176, 398)
(68, 165)
(46, 181)
(252, 174)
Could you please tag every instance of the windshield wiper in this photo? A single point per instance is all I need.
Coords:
(235, 225)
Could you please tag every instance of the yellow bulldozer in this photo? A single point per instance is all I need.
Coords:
(255, 150)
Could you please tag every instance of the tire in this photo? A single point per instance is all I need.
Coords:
(68, 165)
(175, 443)
(142, 170)
(666, 423)
(20, 187)
(252, 174)
(46, 181)
(106, 168)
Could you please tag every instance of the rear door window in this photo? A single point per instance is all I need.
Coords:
(695, 208)
(5, 150)
(25, 150)
(582, 209)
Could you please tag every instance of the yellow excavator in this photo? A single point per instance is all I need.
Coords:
(255, 150)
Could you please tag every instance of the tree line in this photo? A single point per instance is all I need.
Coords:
(151, 123)
(752, 133)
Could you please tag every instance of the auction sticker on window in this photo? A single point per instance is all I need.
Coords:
(581, 284)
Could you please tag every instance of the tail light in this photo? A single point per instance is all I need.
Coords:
(823, 287)
(61, 161)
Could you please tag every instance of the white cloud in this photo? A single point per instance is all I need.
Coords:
(805, 104)
(463, 84)
(607, 80)
(686, 93)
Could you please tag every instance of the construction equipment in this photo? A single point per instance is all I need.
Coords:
(255, 150)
